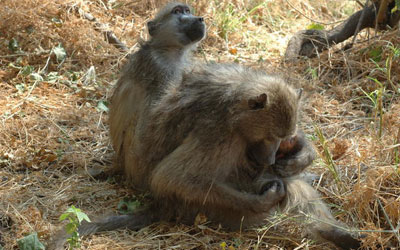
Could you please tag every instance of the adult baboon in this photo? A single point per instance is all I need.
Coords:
(209, 147)
(195, 145)
(174, 33)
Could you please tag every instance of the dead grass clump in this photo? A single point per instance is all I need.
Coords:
(37, 27)
(53, 124)
(355, 103)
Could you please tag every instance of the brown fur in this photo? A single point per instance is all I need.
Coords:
(192, 155)
(302, 200)
(198, 134)
(195, 150)
(204, 141)
(160, 60)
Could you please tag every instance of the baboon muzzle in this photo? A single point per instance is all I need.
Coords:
(196, 29)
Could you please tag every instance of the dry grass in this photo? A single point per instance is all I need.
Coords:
(52, 130)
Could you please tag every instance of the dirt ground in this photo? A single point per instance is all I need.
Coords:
(57, 73)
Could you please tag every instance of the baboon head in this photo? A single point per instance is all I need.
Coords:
(265, 119)
(175, 26)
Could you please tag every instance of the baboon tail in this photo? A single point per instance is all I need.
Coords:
(302, 199)
(135, 221)
(139, 219)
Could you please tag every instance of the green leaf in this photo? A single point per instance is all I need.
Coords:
(36, 76)
(73, 76)
(102, 106)
(30, 242)
(63, 216)
(315, 26)
(27, 70)
(60, 53)
(20, 87)
(56, 21)
(72, 209)
(90, 76)
(376, 54)
(396, 7)
(13, 44)
(70, 228)
(53, 77)
(82, 216)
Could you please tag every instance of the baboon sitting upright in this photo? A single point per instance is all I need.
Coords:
(161, 60)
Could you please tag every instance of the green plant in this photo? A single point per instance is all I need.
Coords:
(376, 98)
(224, 246)
(313, 72)
(227, 21)
(327, 156)
(75, 216)
(396, 151)
(394, 55)
(315, 26)
(387, 68)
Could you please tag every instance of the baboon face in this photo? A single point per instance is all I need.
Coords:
(266, 120)
(176, 26)
(264, 151)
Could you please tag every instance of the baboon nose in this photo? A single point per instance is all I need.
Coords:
(201, 19)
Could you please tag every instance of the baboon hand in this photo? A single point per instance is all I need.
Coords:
(272, 192)
(295, 162)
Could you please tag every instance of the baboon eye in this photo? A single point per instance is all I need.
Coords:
(177, 10)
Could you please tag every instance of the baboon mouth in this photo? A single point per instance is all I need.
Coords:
(196, 32)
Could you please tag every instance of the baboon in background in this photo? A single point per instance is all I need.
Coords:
(174, 33)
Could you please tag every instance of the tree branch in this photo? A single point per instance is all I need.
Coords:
(309, 42)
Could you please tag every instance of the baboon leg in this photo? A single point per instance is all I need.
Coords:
(182, 174)
(303, 199)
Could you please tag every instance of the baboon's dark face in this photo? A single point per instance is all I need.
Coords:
(192, 27)
(177, 27)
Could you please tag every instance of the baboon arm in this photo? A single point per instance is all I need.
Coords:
(295, 163)
(197, 177)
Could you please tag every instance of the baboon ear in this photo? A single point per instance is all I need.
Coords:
(299, 92)
(259, 102)
(151, 26)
